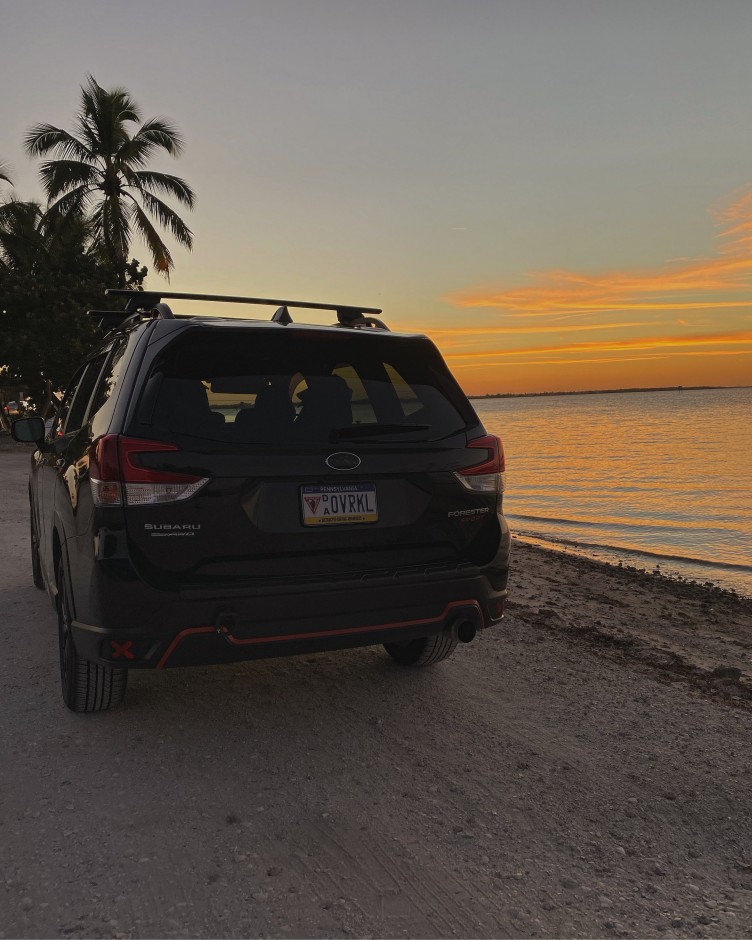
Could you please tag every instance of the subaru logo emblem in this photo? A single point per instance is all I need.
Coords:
(343, 461)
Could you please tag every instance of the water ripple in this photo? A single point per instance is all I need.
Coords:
(664, 474)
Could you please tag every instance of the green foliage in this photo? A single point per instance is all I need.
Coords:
(44, 330)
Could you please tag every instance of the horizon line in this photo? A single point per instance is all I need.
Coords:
(612, 391)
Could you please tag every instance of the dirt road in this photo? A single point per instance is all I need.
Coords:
(548, 780)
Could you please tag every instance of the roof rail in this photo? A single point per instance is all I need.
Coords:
(149, 303)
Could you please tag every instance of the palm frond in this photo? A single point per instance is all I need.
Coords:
(74, 202)
(161, 133)
(60, 176)
(125, 107)
(97, 228)
(159, 251)
(103, 116)
(163, 183)
(16, 251)
(167, 218)
(42, 138)
(66, 234)
(156, 134)
(21, 236)
(5, 169)
(17, 215)
(134, 152)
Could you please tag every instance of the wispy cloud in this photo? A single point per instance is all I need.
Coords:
(738, 342)
(589, 360)
(471, 333)
(693, 284)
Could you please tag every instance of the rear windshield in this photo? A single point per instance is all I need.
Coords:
(265, 387)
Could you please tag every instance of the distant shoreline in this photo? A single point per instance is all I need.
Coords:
(612, 391)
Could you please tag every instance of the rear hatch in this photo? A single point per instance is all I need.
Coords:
(290, 453)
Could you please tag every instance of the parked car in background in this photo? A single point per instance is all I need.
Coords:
(16, 409)
(213, 490)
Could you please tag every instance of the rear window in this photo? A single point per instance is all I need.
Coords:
(259, 387)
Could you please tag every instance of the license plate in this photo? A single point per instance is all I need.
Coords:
(339, 504)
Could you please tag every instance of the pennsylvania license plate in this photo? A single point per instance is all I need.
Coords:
(339, 504)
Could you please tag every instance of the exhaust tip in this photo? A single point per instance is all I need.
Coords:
(465, 631)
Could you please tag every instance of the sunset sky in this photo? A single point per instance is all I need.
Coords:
(559, 192)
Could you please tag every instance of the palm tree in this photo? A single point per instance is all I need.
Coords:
(101, 169)
(30, 239)
(21, 235)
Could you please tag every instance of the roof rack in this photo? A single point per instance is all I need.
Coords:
(149, 304)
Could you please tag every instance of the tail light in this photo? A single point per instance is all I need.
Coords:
(488, 475)
(118, 478)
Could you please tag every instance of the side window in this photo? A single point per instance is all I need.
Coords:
(62, 412)
(103, 402)
(82, 395)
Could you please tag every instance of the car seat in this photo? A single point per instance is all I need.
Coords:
(182, 405)
(270, 418)
(325, 405)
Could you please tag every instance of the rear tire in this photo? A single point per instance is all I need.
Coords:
(422, 652)
(87, 686)
(36, 565)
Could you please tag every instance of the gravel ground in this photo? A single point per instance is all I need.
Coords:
(582, 771)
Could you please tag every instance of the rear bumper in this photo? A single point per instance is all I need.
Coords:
(184, 630)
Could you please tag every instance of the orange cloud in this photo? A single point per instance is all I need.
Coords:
(671, 286)
(522, 330)
(737, 338)
(736, 219)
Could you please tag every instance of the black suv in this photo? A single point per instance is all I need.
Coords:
(216, 489)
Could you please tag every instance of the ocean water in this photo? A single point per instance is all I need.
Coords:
(653, 479)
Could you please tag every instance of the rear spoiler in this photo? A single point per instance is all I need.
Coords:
(148, 304)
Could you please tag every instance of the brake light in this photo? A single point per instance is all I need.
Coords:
(118, 478)
(104, 472)
(488, 475)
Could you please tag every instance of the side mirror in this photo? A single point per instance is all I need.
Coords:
(28, 430)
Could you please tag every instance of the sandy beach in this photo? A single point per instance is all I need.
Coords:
(580, 771)
(685, 631)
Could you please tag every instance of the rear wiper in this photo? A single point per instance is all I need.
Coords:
(376, 430)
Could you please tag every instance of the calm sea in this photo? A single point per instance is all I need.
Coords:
(653, 479)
